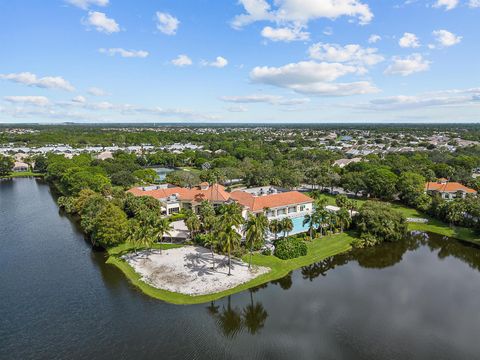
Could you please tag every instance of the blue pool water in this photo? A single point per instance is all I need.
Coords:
(298, 226)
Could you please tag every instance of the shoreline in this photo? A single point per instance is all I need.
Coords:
(319, 249)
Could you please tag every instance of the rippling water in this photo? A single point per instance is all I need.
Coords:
(59, 300)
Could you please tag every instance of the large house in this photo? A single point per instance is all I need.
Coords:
(448, 190)
(20, 166)
(276, 202)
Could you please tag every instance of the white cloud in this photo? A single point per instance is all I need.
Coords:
(85, 4)
(49, 82)
(265, 98)
(409, 40)
(351, 54)
(474, 4)
(219, 62)
(300, 11)
(286, 34)
(447, 4)
(101, 22)
(374, 38)
(182, 60)
(167, 23)
(29, 100)
(79, 99)
(445, 38)
(237, 108)
(430, 99)
(311, 77)
(97, 91)
(124, 53)
(406, 66)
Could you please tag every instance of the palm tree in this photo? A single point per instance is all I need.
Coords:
(323, 218)
(211, 240)
(287, 226)
(193, 223)
(344, 219)
(256, 227)
(230, 238)
(275, 227)
(312, 220)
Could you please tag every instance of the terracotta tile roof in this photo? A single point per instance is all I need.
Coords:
(450, 187)
(213, 193)
(256, 203)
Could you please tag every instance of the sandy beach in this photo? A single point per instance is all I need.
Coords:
(188, 270)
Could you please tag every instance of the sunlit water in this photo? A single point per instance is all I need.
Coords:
(59, 300)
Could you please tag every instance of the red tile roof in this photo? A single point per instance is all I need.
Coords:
(213, 193)
(450, 187)
(256, 203)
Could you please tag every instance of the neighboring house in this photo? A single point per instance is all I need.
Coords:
(344, 162)
(278, 203)
(105, 155)
(20, 166)
(448, 190)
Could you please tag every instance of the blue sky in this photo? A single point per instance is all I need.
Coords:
(240, 61)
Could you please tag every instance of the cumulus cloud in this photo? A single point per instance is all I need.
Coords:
(447, 4)
(286, 34)
(28, 100)
(167, 23)
(85, 4)
(445, 38)
(408, 65)
(219, 62)
(101, 22)
(409, 40)
(351, 54)
(95, 91)
(374, 38)
(124, 53)
(300, 11)
(265, 98)
(182, 60)
(310, 77)
(48, 82)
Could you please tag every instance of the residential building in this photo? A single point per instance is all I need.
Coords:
(448, 190)
(20, 166)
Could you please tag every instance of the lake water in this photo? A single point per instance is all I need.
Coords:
(59, 300)
(162, 172)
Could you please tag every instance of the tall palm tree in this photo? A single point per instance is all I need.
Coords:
(211, 240)
(344, 219)
(275, 227)
(230, 238)
(287, 226)
(193, 223)
(312, 220)
(256, 228)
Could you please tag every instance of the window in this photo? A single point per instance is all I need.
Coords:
(302, 207)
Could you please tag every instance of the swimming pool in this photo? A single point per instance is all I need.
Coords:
(298, 226)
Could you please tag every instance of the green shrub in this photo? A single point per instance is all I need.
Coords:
(290, 248)
(267, 252)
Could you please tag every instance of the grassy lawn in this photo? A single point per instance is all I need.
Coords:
(318, 250)
(433, 225)
(16, 174)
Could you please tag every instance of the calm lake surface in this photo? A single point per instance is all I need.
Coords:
(59, 300)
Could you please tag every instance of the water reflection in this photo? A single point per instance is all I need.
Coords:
(390, 254)
(232, 320)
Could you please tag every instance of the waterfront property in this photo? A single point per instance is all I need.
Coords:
(20, 167)
(448, 190)
(277, 203)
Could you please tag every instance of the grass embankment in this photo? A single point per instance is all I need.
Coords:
(433, 226)
(17, 174)
(318, 250)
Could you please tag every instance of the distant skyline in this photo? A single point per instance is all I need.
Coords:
(240, 61)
